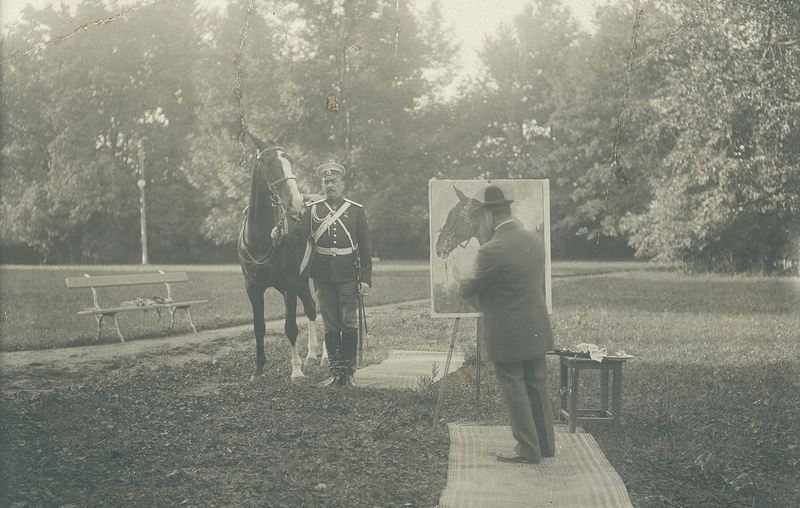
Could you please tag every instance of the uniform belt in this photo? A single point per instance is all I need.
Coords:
(334, 251)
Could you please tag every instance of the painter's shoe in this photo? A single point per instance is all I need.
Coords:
(514, 457)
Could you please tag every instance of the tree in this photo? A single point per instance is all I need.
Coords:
(342, 80)
(78, 112)
(543, 111)
(726, 196)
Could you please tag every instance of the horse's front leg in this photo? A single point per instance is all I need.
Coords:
(324, 361)
(311, 356)
(310, 307)
(259, 330)
(290, 328)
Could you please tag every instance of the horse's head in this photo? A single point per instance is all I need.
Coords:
(459, 227)
(275, 167)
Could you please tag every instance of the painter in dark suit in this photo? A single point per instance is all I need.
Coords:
(509, 282)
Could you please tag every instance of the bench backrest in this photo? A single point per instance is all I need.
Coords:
(125, 280)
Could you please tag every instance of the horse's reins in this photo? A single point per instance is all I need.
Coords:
(276, 201)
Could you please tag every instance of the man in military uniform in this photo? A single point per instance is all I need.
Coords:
(341, 266)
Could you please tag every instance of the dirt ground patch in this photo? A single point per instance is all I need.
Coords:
(175, 421)
(48, 369)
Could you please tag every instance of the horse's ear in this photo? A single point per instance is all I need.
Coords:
(461, 196)
(255, 140)
(281, 137)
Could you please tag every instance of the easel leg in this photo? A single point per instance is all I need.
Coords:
(563, 389)
(603, 389)
(478, 365)
(446, 368)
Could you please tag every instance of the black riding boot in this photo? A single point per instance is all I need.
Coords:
(333, 343)
(349, 350)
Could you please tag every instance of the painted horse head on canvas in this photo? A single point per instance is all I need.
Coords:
(459, 227)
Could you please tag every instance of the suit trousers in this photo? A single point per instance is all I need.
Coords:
(338, 302)
(524, 388)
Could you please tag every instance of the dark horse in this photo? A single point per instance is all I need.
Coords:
(461, 226)
(275, 201)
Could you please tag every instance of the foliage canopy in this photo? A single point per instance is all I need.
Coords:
(678, 144)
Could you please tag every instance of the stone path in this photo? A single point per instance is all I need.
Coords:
(160, 348)
(403, 369)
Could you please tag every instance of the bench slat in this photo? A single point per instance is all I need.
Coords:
(139, 307)
(125, 280)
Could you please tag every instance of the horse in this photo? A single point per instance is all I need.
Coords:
(275, 201)
(461, 226)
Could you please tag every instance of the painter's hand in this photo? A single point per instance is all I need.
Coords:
(363, 288)
(275, 233)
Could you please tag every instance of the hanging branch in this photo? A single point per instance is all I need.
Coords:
(237, 87)
(615, 164)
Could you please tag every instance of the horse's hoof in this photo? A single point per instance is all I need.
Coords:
(254, 378)
(324, 362)
(298, 379)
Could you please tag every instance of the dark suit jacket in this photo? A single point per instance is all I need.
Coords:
(509, 282)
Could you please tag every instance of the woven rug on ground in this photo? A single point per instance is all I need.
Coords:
(578, 476)
(402, 369)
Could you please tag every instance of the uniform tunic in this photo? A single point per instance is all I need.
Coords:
(337, 266)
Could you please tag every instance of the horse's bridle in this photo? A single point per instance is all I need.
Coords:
(274, 148)
(274, 195)
(464, 217)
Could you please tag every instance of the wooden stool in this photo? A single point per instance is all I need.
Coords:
(571, 365)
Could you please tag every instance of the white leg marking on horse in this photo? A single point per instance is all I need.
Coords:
(324, 361)
(297, 370)
(312, 344)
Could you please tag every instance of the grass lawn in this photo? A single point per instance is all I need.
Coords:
(711, 413)
(39, 311)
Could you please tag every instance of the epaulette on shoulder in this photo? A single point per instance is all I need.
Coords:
(316, 202)
(354, 203)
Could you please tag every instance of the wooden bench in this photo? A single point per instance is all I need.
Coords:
(139, 304)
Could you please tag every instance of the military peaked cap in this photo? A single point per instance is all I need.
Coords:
(329, 170)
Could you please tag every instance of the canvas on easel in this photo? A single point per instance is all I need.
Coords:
(454, 246)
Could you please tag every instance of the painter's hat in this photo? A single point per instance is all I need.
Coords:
(492, 196)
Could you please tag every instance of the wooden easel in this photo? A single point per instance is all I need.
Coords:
(447, 368)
